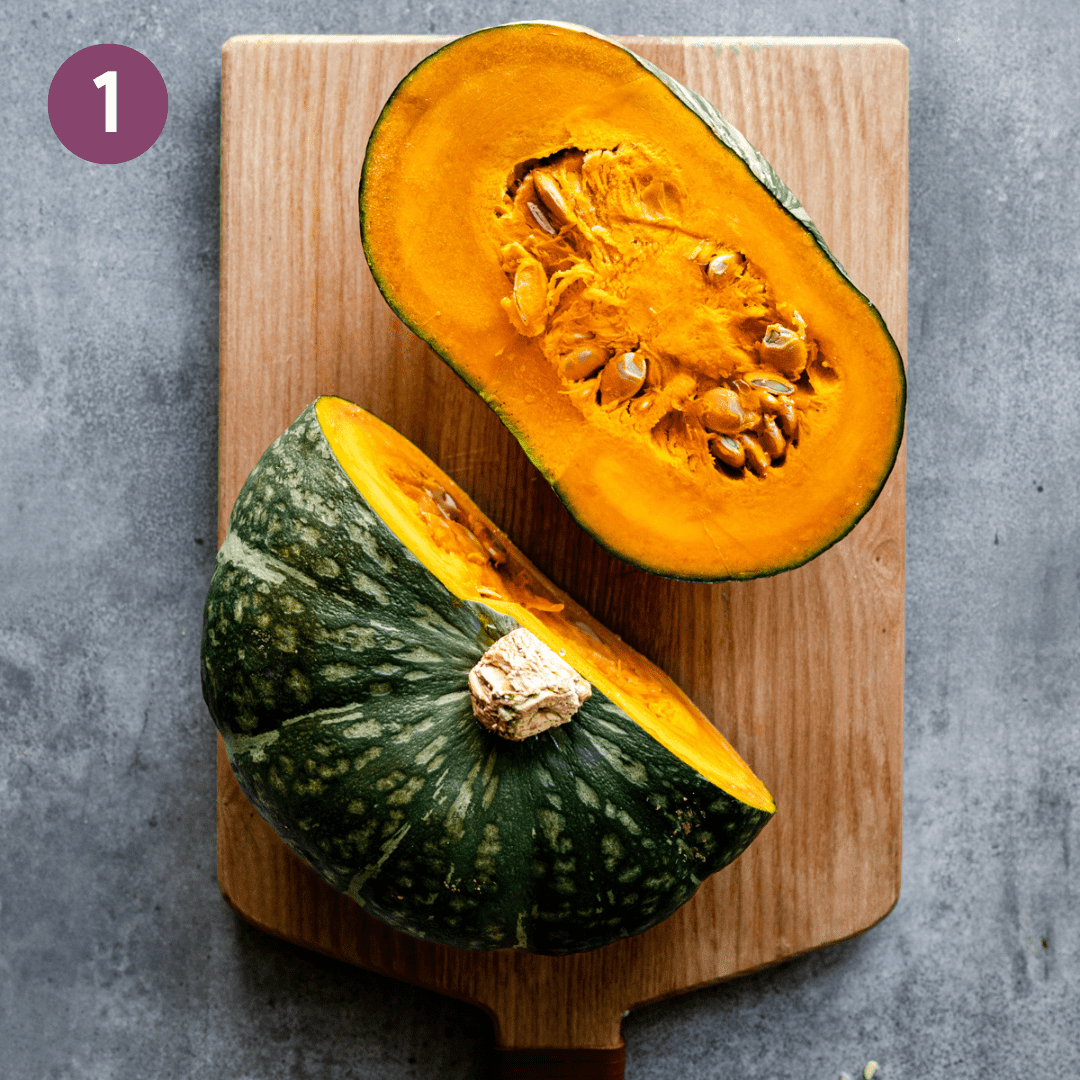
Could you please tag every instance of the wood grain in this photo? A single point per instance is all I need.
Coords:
(803, 672)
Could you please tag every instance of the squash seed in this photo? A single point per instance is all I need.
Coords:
(779, 337)
(622, 378)
(445, 502)
(773, 385)
(784, 349)
(541, 219)
(771, 440)
(470, 546)
(787, 417)
(721, 411)
(719, 266)
(551, 197)
(757, 461)
(530, 295)
(586, 361)
(728, 450)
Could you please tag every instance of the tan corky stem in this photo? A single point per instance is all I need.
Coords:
(520, 687)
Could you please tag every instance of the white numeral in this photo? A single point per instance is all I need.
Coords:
(108, 80)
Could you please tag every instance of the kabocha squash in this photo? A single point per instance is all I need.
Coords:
(631, 287)
(434, 727)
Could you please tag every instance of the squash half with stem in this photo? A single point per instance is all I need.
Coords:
(631, 287)
(438, 730)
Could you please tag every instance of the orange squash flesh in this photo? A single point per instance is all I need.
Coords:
(476, 561)
(658, 245)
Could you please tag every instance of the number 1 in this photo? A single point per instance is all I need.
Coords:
(108, 80)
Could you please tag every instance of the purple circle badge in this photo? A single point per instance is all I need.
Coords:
(108, 104)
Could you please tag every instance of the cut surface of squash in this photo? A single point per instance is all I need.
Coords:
(476, 561)
(637, 295)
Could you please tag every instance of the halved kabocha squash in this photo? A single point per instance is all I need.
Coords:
(630, 286)
(438, 730)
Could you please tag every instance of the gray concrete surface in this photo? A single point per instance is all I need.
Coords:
(118, 958)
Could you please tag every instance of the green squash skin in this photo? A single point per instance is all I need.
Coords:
(336, 668)
(765, 175)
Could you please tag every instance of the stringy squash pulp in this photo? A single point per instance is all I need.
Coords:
(629, 285)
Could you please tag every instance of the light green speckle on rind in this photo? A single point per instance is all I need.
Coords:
(343, 700)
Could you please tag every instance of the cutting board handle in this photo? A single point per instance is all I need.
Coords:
(561, 1063)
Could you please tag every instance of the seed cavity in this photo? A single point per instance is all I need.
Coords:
(673, 338)
(451, 527)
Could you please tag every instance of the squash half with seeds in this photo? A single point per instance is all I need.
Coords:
(434, 727)
(631, 287)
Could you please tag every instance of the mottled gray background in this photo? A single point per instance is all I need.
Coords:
(118, 958)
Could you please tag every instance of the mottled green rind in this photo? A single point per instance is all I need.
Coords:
(767, 177)
(336, 668)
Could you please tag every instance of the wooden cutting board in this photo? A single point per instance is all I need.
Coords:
(803, 672)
